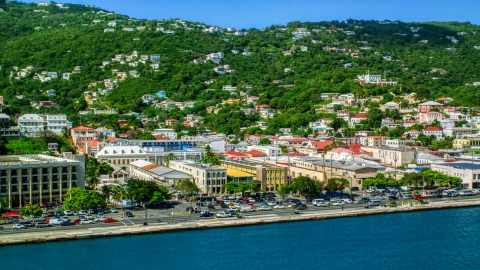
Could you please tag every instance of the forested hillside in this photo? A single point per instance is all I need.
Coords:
(286, 68)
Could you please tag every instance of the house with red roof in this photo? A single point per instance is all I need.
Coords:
(357, 118)
(255, 153)
(235, 155)
(437, 132)
(313, 147)
(82, 135)
(407, 124)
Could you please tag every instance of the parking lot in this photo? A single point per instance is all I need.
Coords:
(178, 214)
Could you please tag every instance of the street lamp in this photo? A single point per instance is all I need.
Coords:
(145, 222)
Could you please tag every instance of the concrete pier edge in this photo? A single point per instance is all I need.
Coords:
(52, 236)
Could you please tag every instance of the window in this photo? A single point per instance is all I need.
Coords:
(64, 169)
(3, 172)
(24, 171)
(3, 189)
(45, 187)
(24, 188)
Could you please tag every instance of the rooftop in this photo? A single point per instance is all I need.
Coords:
(461, 165)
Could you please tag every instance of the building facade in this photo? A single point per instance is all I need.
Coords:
(209, 179)
(33, 179)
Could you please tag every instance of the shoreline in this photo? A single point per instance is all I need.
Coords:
(89, 233)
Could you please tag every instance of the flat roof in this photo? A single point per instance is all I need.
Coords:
(460, 165)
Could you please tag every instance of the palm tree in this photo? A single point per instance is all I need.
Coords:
(169, 157)
(119, 194)
(106, 191)
(3, 203)
(93, 181)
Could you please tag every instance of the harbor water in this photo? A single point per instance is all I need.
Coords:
(440, 239)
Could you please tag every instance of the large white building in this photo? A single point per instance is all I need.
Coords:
(145, 170)
(209, 179)
(271, 151)
(469, 172)
(34, 179)
(30, 124)
(121, 156)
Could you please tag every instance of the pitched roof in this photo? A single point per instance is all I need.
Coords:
(360, 115)
(82, 128)
(94, 143)
(255, 153)
(235, 153)
(321, 145)
(432, 129)
(159, 138)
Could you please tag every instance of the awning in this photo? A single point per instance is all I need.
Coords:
(11, 214)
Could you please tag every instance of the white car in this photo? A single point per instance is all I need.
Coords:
(279, 206)
(68, 213)
(247, 209)
(250, 199)
(264, 208)
(84, 221)
(339, 203)
(323, 204)
(18, 226)
(82, 212)
(223, 214)
(100, 219)
(88, 216)
(114, 210)
(272, 203)
(370, 190)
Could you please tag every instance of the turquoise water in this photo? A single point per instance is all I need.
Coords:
(444, 239)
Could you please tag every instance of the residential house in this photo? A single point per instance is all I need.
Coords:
(171, 122)
(435, 131)
(390, 106)
(429, 106)
(356, 119)
(427, 118)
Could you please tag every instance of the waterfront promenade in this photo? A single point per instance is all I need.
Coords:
(187, 222)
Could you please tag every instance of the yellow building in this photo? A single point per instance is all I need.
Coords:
(269, 177)
(471, 143)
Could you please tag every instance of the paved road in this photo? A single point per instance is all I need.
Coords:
(156, 216)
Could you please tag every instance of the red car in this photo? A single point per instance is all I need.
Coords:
(251, 204)
(109, 220)
(245, 200)
(44, 205)
(76, 221)
(419, 197)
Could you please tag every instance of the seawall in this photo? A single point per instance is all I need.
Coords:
(95, 232)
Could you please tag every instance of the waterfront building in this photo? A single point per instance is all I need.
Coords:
(209, 179)
(469, 172)
(269, 177)
(165, 176)
(32, 179)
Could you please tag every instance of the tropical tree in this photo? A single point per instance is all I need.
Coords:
(119, 194)
(187, 187)
(106, 192)
(31, 211)
(3, 203)
(78, 198)
(93, 181)
(283, 190)
(264, 141)
(169, 158)
(305, 186)
(145, 191)
(232, 187)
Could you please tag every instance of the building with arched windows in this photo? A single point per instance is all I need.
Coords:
(209, 179)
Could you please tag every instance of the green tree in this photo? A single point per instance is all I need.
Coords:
(78, 198)
(264, 141)
(232, 187)
(144, 191)
(305, 186)
(3, 203)
(169, 158)
(187, 187)
(31, 211)
(106, 192)
(283, 190)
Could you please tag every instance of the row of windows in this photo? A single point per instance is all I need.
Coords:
(35, 179)
(218, 174)
(216, 182)
(37, 171)
(26, 188)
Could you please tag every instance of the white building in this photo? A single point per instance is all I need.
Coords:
(57, 122)
(121, 155)
(146, 170)
(209, 179)
(396, 143)
(167, 133)
(271, 151)
(469, 172)
(30, 124)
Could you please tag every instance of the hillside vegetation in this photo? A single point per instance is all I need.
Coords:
(58, 39)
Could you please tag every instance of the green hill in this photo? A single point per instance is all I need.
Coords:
(60, 38)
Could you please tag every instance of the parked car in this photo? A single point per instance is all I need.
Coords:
(91, 211)
(264, 208)
(114, 210)
(41, 224)
(279, 206)
(68, 213)
(323, 204)
(339, 203)
(223, 214)
(44, 215)
(55, 221)
(354, 189)
(247, 209)
(27, 224)
(66, 223)
(419, 197)
(85, 221)
(109, 220)
(100, 219)
(18, 226)
(76, 221)
(192, 210)
(128, 214)
(301, 207)
(206, 213)
(272, 203)
(82, 212)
